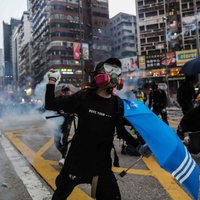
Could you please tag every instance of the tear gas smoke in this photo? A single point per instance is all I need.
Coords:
(15, 113)
(130, 84)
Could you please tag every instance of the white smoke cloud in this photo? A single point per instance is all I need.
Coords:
(15, 114)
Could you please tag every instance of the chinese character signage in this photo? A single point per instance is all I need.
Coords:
(85, 51)
(142, 62)
(153, 61)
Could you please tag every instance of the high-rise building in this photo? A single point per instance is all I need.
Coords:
(7, 35)
(168, 36)
(124, 38)
(23, 71)
(68, 35)
(166, 25)
(1, 70)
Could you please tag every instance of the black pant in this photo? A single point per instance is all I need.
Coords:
(186, 107)
(107, 187)
(65, 128)
(161, 111)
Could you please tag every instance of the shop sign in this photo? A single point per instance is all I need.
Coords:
(170, 59)
(184, 56)
(154, 60)
(85, 51)
(142, 62)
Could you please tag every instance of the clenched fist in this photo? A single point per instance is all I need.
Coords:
(53, 75)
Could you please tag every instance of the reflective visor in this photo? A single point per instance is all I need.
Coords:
(112, 69)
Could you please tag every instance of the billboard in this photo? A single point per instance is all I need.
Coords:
(76, 48)
(142, 62)
(154, 60)
(129, 64)
(85, 51)
(170, 59)
(184, 56)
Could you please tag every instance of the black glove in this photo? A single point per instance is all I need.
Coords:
(144, 150)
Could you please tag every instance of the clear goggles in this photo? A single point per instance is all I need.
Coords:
(112, 69)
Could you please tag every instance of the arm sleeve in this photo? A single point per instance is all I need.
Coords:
(68, 104)
(164, 98)
(122, 133)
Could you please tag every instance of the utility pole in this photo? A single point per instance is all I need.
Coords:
(166, 49)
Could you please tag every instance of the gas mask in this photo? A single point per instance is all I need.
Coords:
(108, 77)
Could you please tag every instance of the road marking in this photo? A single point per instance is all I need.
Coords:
(133, 171)
(42, 167)
(34, 186)
(45, 148)
(166, 180)
(45, 169)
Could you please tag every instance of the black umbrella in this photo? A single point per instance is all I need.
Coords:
(191, 67)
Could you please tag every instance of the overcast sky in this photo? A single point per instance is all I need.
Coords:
(15, 8)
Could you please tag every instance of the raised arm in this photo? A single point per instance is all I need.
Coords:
(67, 104)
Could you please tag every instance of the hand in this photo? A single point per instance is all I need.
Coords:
(186, 140)
(53, 75)
(163, 110)
(144, 150)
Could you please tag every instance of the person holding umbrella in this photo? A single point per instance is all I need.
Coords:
(99, 113)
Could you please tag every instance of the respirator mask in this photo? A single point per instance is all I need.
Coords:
(108, 77)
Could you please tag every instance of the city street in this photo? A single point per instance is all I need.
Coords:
(29, 164)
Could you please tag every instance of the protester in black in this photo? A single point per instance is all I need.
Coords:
(158, 100)
(189, 130)
(186, 94)
(62, 136)
(99, 112)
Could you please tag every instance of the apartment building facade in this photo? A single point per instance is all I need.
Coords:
(168, 33)
(70, 36)
(1, 69)
(23, 71)
(124, 38)
(8, 29)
